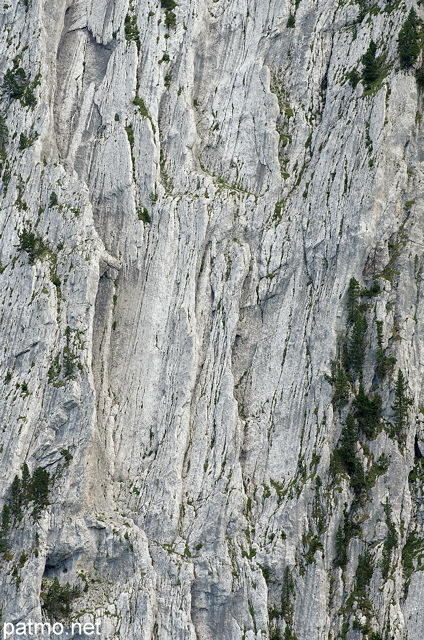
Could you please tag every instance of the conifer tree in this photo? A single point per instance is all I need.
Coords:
(16, 497)
(371, 69)
(367, 412)
(39, 487)
(352, 300)
(26, 476)
(356, 346)
(340, 383)
(5, 519)
(409, 40)
(401, 404)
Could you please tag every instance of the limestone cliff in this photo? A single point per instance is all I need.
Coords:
(212, 324)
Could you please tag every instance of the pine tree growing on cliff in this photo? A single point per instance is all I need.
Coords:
(370, 71)
(409, 40)
(401, 404)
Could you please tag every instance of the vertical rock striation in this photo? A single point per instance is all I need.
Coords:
(212, 318)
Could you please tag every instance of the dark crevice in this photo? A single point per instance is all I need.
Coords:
(418, 453)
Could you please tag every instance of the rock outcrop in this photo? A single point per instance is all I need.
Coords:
(212, 318)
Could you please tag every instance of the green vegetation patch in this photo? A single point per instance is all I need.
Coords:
(17, 85)
(363, 576)
(347, 530)
(291, 22)
(4, 137)
(170, 17)
(141, 106)
(168, 5)
(390, 542)
(57, 599)
(26, 141)
(33, 245)
(29, 489)
(373, 69)
(368, 410)
(132, 33)
(144, 215)
(400, 407)
(412, 555)
(410, 40)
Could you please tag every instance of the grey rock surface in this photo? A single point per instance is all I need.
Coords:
(188, 193)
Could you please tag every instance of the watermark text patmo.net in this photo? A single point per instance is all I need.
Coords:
(32, 629)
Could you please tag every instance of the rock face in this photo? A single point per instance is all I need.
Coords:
(212, 319)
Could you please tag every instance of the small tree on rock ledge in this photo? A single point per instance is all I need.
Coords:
(401, 404)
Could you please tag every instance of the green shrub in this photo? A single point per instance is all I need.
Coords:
(367, 412)
(142, 107)
(130, 134)
(26, 141)
(340, 383)
(132, 33)
(344, 459)
(346, 531)
(401, 404)
(17, 86)
(390, 542)
(378, 468)
(277, 210)
(374, 289)
(291, 22)
(70, 357)
(5, 518)
(68, 363)
(16, 497)
(55, 280)
(67, 455)
(57, 599)
(4, 137)
(33, 488)
(38, 489)
(409, 40)
(4, 543)
(314, 544)
(170, 17)
(372, 66)
(353, 77)
(352, 302)
(28, 99)
(170, 20)
(385, 363)
(346, 447)
(413, 545)
(144, 215)
(54, 370)
(168, 5)
(287, 592)
(356, 346)
(363, 574)
(15, 82)
(53, 200)
(26, 477)
(5, 528)
(31, 244)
